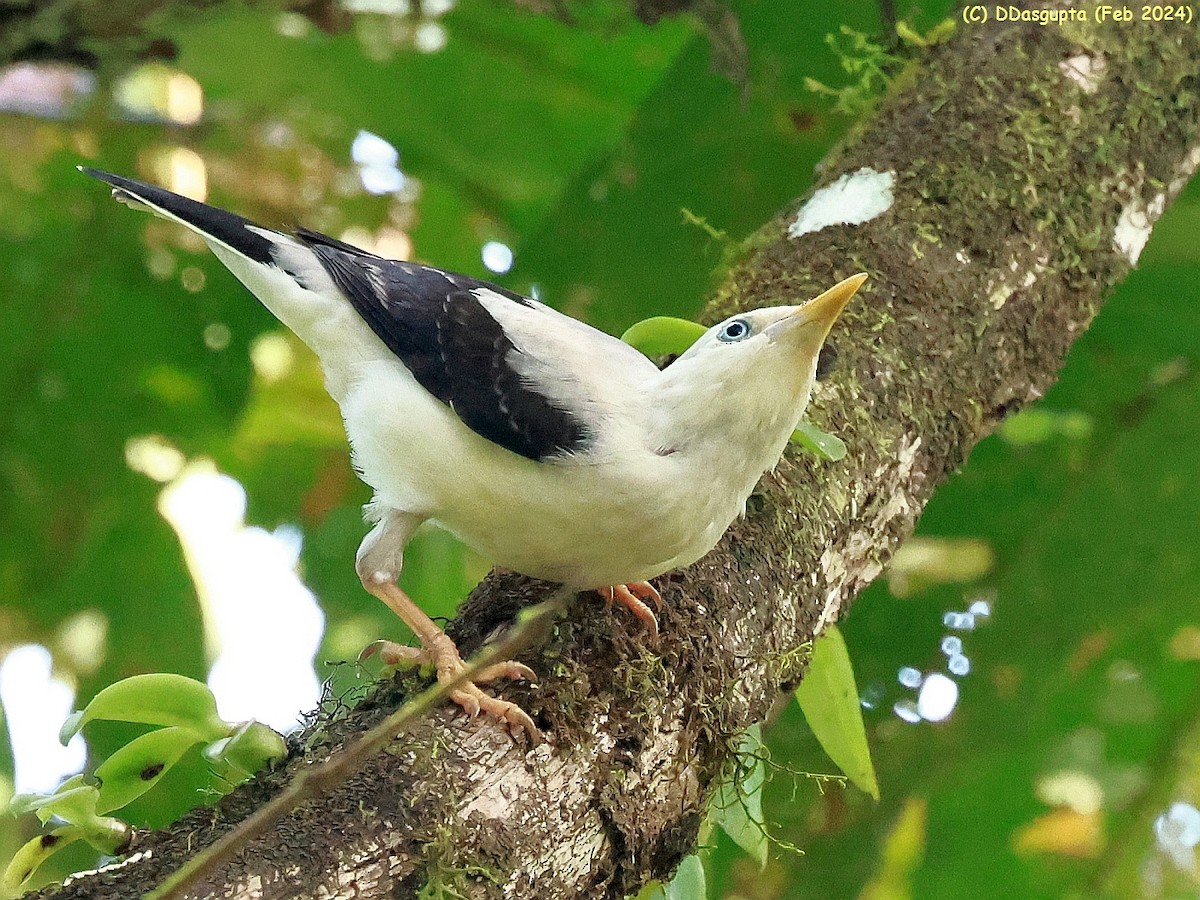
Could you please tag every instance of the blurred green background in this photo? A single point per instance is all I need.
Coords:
(131, 364)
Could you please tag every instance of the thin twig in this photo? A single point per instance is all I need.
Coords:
(340, 766)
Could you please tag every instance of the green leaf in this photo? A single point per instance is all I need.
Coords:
(738, 806)
(159, 698)
(829, 698)
(1040, 424)
(248, 749)
(688, 883)
(663, 335)
(71, 801)
(819, 443)
(76, 804)
(36, 851)
(138, 766)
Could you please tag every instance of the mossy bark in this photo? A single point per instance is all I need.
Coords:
(1011, 177)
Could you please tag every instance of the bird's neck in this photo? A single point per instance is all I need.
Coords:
(728, 418)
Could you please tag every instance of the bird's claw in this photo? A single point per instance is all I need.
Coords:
(444, 657)
(507, 669)
(474, 701)
(631, 596)
(393, 655)
(644, 590)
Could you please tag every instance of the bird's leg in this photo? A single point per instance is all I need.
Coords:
(378, 565)
(631, 596)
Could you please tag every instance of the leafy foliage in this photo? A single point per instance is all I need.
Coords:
(188, 711)
(688, 883)
(737, 808)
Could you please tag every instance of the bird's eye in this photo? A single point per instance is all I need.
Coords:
(737, 330)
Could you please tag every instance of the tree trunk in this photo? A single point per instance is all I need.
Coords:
(1029, 163)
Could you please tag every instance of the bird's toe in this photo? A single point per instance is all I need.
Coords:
(513, 715)
(507, 669)
(468, 699)
(441, 653)
(475, 701)
(392, 654)
(627, 597)
(644, 590)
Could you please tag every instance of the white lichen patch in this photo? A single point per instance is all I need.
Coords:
(1185, 170)
(1001, 290)
(130, 860)
(568, 861)
(1086, 71)
(501, 788)
(999, 295)
(1135, 224)
(851, 200)
(855, 564)
(1138, 215)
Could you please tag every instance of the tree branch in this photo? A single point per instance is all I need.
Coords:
(313, 782)
(1030, 163)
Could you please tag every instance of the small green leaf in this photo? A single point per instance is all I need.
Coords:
(70, 727)
(688, 884)
(819, 443)
(938, 34)
(71, 801)
(30, 857)
(248, 749)
(107, 835)
(159, 698)
(662, 335)
(828, 696)
(909, 35)
(738, 806)
(138, 766)
(1039, 424)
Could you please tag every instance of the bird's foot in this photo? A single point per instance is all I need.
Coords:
(631, 596)
(443, 656)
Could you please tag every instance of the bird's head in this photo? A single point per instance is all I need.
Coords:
(753, 372)
(780, 344)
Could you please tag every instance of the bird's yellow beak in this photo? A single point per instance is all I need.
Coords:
(824, 310)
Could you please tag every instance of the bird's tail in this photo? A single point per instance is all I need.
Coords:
(278, 269)
(214, 225)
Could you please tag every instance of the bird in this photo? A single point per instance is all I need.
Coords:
(552, 448)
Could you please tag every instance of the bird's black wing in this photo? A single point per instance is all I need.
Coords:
(454, 347)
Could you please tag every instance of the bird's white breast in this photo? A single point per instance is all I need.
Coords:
(619, 513)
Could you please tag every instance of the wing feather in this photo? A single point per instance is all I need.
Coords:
(455, 348)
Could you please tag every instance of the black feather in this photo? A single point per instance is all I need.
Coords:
(223, 226)
(313, 238)
(453, 346)
(430, 319)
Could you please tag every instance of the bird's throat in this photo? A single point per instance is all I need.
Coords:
(728, 424)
